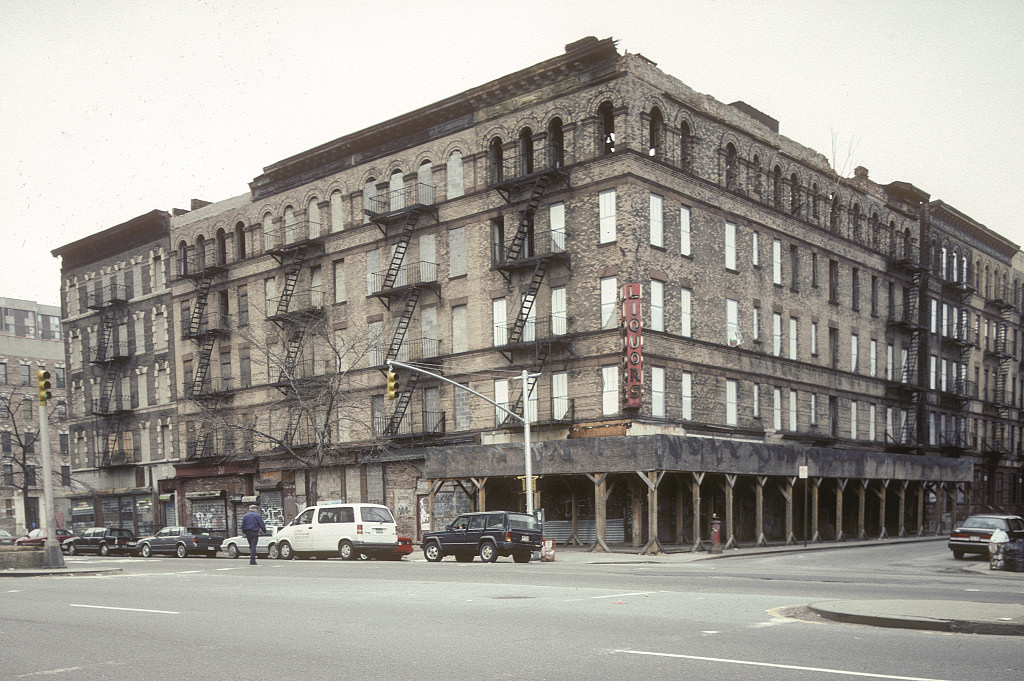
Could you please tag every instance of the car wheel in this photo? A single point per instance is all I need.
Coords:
(958, 555)
(346, 551)
(272, 552)
(71, 549)
(488, 552)
(521, 556)
(181, 551)
(146, 551)
(232, 550)
(432, 552)
(464, 557)
(285, 551)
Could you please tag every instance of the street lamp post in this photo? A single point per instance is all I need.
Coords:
(52, 556)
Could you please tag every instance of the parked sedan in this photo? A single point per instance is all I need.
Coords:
(265, 545)
(6, 538)
(180, 541)
(38, 536)
(101, 540)
(973, 534)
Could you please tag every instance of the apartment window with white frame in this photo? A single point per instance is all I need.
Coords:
(732, 323)
(777, 409)
(684, 230)
(854, 350)
(730, 246)
(872, 435)
(559, 395)
(889, 362)
(456, 252)
(943, 371)
(556, 218)
(500, 399)
(657, 305)
(755, 402)
(934, 305)
(731, 389)
(792, 337)
(609, 302)
(776, 334)
(853, 420)
(814, 339)
(460, 331)
(559, 320)
(755, 253)
(687, 395)
(792, 411)
(657, 221)
(610, 390)
(658, 392)
(813, 409)
(873, 358)
(685, 311)
(606, 216)
(756, 321)
(777, 262)
(933, 368)
(499, 322)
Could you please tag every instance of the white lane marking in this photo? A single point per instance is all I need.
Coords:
(637, 593)
(823, 670)
(49, 672)
(110, 607)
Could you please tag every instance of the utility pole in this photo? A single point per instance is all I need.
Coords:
(52, 556)
(524, 418)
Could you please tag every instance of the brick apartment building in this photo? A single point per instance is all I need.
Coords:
(30, 341)
(713, 320)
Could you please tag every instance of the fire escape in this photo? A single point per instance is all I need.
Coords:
(957, 338)
(526, 258)
(905, 387)
(109, 355)
(397, 214)
(998, 348)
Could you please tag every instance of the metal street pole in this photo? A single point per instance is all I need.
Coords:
(527, 448)
(52, 556)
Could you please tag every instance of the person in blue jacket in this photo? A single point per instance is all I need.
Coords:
(252, 526)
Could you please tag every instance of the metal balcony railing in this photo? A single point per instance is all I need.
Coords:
(536, 329)
(291, 234)
(541, 244)
(301, 300)
(110, 352)
(113, 405)
(417, 194)
(409, 274)
(112, 294)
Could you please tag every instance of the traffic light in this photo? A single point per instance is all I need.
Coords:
(392, 392)
(43, 382)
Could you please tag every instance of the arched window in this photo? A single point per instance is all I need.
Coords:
(656, 134)
(815, 198)
(856, 223)
(607, 116)
(777, 187)
(370, 198)
(496, 160)
(313, 217)
(954, 269)
(454, 171)
(269, 238)
(525, 151)
(200, 253)
(965, 274)
(396, 191)
(685, 147)
(182, 258)
(337, 211)
(222, 247)
(875, 227)
(944, 263)
(833, 212)
(240, 241)
(758, 184)
(425, 183)
(794, 194)
(289, 225)
(556, 143)
(730, 166)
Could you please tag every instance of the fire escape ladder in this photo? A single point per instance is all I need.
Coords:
(516, 407)
(402, 324)
(291, 357)
(203, 366)
(526, 218)
(291, 278)
(399, 255)
(110, 440)
(401, 405)
(293, 428)
(105, 335)
(200, 445)
(195, 323)
(516, 333)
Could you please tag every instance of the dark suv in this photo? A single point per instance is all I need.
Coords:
(487, 534)
(101, 540)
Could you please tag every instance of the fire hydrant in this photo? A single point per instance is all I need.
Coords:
(716, 534)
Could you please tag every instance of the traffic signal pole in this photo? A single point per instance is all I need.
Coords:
(524, 418)
(52, 556)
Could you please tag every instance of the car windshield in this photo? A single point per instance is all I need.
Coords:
(518, 521)
(375, 514)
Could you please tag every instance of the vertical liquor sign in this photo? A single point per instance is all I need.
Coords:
(632, 344)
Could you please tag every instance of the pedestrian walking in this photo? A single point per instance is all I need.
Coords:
(252, 526)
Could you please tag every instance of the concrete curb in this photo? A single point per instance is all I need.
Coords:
(971, 618)
(59, 572)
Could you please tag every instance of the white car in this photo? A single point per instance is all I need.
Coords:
(266, 546)
(348, 531)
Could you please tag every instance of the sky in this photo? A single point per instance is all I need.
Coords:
(110, 109)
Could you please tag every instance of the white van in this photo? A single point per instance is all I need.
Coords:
(345, 530)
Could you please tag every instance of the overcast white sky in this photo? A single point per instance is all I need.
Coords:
(110, 109)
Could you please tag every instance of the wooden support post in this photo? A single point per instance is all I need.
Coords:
(815, 492)
(862, 491)
(680, 508)
(730, 515)
(481, 493)
(883, 497)
(434, 486)
(698, 478)
(652, 480)
(840, 486)
(787, 493)
(921, 494)
(762, 480)
(601, 493)
(901, 490)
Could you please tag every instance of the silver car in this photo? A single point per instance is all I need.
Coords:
(265, 545)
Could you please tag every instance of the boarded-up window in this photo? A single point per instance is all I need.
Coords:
(456, 186)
